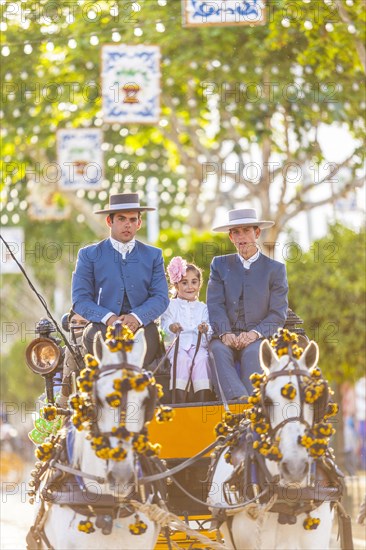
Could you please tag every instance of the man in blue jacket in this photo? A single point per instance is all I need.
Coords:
(246, 300)
(121, 278)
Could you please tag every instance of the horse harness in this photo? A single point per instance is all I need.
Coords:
(251, 480)
(63, 488)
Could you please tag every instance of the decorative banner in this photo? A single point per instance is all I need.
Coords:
(80, 158)
(223, 12)
(14, 236)
(46, 204)
(131, 83)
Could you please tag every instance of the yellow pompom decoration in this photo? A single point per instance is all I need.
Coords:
(160, 391)
(118, 454)
(90, 361)
(310, 524)
(164, 414)
(261, 427)
(323, 429)
(288, 391)
(153, 450)
(119, 338)
(274, 453)
(114, 399)
(255, 397)
(49, 412)
(332, 410)
(137, 528)
(44, 452)
(221, 429)
(315, 372)
(140, 382)
(86, 526)
(257, 379)
(121, 432)
(286, 343)
(314, 391)
(140, 443)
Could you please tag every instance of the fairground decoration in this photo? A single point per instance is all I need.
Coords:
(80, 158)
(45, 203)
(131, 83)
(223, 12)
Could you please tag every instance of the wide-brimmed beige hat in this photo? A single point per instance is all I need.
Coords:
(124, 201)
(241, 217)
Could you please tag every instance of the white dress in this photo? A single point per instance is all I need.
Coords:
(189, 314)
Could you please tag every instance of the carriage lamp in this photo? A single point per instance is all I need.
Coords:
(43, 355)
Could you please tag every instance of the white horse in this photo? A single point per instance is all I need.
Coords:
(264, 503)
(108, 485)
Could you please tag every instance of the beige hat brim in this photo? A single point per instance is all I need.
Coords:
(262, 224)
(128, 208)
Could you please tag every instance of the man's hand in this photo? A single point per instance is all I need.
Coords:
(129, 321)
(203, 328)
(230, 340)
(175, 327)
(112, 319)
(246, 338)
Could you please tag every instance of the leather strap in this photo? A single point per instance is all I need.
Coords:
(199, 338)
(167, 473)
(76, 472)
(175, 357)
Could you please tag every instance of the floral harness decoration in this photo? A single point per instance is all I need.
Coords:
(83, 412)
(314, 388)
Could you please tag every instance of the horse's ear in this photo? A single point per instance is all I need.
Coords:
(97, 346)
(310, 355)
(267, 356)
(137, 355)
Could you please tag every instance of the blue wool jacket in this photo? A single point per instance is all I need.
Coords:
(240, 299)
(101, 278)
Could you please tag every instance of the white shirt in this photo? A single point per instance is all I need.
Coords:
(189, 315)
(122, 248)
(247, 263)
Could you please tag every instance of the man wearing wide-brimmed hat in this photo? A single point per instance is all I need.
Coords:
(246, 300)
(121, 278)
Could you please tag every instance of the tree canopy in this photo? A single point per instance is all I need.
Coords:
(242, 107)
(327, 289)
(242, 113)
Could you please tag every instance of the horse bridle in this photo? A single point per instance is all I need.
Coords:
(298, 372)
(149, 402)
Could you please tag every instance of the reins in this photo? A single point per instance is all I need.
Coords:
(199, 338)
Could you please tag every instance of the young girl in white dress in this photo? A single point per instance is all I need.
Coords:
(188, 316)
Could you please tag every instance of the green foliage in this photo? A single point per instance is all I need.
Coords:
(197, 248)
(327, 289)
(222, 89)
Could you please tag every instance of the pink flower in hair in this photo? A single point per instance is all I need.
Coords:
(176, 269)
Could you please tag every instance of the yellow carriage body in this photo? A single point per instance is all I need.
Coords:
(191, 431)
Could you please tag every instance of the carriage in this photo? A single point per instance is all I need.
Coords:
(185, 482)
